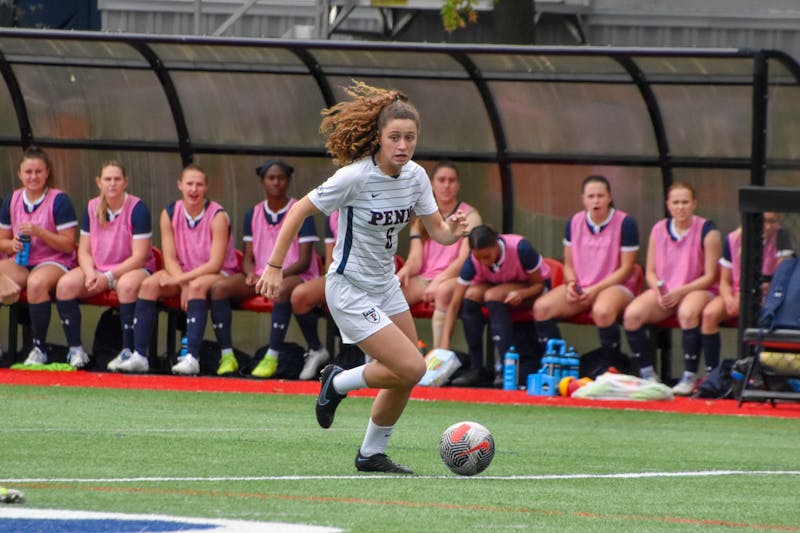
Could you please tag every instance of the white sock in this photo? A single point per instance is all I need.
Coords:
(689, 376)
(647, 372)
(273, 353)
(437, 324)
(376, 439)
(351, 379)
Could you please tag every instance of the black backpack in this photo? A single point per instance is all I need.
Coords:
(350, 356)
(107, 339)
(290, 361)
(718, 384)
(599, 360)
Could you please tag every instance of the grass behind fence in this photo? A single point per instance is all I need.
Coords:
(54, 437)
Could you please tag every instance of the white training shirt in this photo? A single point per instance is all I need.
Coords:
(373, 208)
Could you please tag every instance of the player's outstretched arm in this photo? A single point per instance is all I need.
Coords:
(445, 231)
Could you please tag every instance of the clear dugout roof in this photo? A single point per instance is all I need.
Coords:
(507, 107)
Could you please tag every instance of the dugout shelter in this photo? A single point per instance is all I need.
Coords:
(526, 124)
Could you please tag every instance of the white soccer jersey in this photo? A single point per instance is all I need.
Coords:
(373, 208)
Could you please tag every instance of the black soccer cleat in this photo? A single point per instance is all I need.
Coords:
(380, 462)
(328, 399)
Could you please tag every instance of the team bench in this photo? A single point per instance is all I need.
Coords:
(18, 314)
(258, 304)
(660, 332)
(254, 304)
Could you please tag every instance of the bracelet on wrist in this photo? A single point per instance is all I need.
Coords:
(274, 266)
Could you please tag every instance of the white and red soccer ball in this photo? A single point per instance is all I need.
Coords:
(467, 448)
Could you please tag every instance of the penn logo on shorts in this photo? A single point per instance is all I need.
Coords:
(372, 315)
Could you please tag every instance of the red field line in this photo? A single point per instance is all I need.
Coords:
(452, 394)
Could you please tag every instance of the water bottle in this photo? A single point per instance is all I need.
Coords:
(24, 254)
(559, 364)
(184, 346)
(511, 369)
(572, 364)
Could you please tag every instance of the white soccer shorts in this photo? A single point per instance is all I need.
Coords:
(359, 313)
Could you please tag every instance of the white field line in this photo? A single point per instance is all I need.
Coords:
(536, 477)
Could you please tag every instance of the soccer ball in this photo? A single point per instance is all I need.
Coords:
(467, 448)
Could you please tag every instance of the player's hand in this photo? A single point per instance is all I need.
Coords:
(572, 292)
(731, 306)
(167, 280)
(430, 291)
(513, 298)
(93, 281)
(404, 276)
(669, 299)
(269, 284)
(457, 223)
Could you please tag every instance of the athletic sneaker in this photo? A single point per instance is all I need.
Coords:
(314, 360)
(685, 386)
(77, 357)
(187, 365)
(380, 462)
(266, 368)
(11, 496)
(121, 356)
(36, 357)
(328, 398)
(227, 364)
(136, 363)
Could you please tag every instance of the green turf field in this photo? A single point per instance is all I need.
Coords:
(262, 457)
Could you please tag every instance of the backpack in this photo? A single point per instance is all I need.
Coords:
(781, 309)
(350, 356)
(290, 360)
(210, 355)
(718, 384)
(107, 338)
(600, 360)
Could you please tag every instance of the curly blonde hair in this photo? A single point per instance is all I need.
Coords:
(353, 128)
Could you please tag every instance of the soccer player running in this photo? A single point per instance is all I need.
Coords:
(373, 135)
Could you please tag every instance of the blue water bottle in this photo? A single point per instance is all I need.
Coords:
(511, 369)
(24, 254)
(572, 364)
